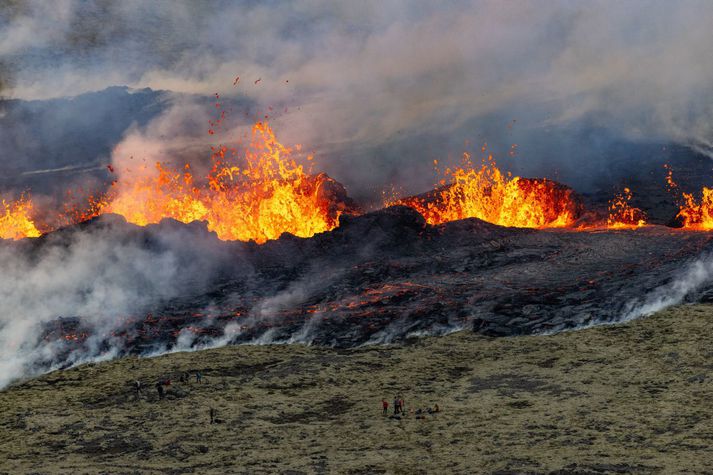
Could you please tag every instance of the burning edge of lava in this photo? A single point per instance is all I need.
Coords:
(262, 192)
(257, 195)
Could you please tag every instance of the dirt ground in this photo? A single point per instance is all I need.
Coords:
(632, 398)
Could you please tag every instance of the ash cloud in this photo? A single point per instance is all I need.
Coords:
(393, 85)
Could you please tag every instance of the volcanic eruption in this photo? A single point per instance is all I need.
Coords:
(262, 250)
(487, 193)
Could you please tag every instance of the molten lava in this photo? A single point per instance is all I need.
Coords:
(268, 195)
(622, 215)
(15, 219)
(487, 193)
(693, 213)
(697, 214)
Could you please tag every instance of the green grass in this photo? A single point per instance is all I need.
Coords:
(630, 398)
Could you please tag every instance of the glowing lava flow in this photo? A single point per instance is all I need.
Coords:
(269, 195)
(622, 215)
(15, 219)
(489, 194)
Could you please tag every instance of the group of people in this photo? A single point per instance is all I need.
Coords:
(163, 382)
(400, 408)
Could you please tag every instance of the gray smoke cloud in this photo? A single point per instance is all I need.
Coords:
(390, 85)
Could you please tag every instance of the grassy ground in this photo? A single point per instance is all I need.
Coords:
(627, 398)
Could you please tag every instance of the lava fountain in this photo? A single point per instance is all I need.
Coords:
(622, 215)
(695, 214)
(15, 219)
(268, 195)
(487, 193)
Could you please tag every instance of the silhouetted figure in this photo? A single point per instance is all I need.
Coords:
(396, 405)
(137, 388)
(212, 415)
(199, 377)
(159, 388)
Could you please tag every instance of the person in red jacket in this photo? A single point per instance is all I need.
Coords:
(385, 406)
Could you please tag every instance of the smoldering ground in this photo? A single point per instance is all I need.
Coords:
(378, 90)
(380, 277)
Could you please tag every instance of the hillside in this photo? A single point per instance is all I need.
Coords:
(631, 398)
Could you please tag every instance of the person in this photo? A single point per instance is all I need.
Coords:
(159, 388)
(199, 377)
(385, 406)
(137, 388)
(402, 405)
(396, 405)
(212, 415)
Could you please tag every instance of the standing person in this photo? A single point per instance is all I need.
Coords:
(199, 377)
(385, 406)
(159, 388)
(402, 405)
(396, 405)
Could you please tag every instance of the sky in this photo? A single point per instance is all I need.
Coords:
(386, 86)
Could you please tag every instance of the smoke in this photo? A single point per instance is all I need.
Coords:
(103, 275)
(393, 84)
(692, 280)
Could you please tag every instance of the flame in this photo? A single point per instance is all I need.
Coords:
(496, 197)
(622, 215)
(695, 214)
(268, 196)
(15, 220)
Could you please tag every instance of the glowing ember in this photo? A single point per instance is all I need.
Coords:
(269, 195)
(622, 215)
(491, 195)
(15, 220)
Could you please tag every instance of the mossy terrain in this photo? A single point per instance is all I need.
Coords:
(631, 398)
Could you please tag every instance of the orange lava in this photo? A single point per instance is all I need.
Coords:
(268, 195)
(622, 215)
(15, 219)
(694, 213)
(487, 193)
(697, 213)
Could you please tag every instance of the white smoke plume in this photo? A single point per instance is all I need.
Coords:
(694, 278)
(100, 275)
